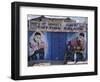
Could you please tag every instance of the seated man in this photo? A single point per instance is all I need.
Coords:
(79, 48)
(36, 47)
(76, 49)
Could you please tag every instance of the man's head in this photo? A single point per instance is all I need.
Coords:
(37, 37)
(81, 36)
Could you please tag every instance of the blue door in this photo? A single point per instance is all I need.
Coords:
(56, 45)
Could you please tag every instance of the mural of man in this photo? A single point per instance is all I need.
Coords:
(76, 47)
(79, 48)
(36, 47)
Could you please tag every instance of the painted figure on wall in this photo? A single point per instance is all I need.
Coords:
(36, 47)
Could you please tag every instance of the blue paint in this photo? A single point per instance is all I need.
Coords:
(56, 44)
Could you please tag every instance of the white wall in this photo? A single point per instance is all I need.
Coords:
(5, 40)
